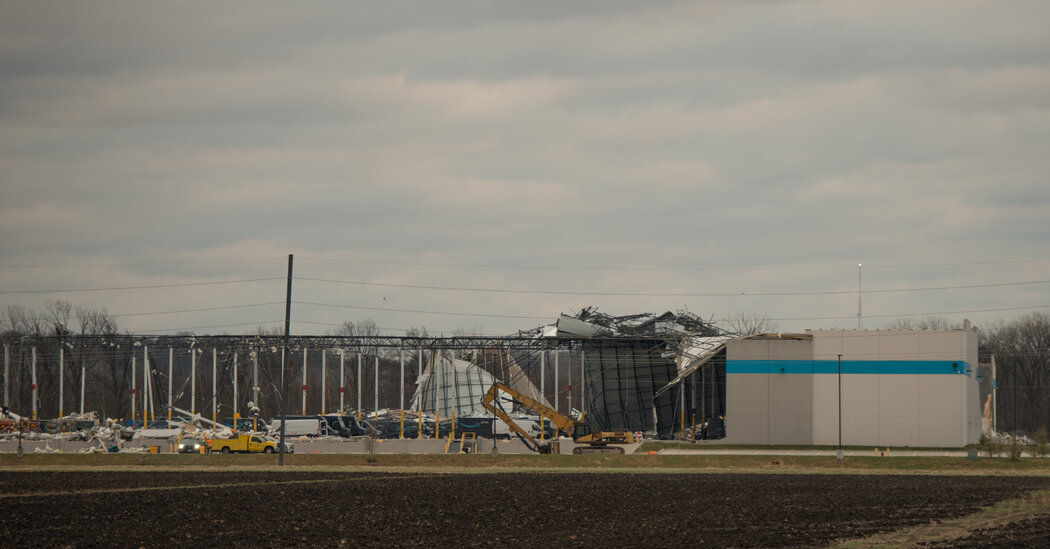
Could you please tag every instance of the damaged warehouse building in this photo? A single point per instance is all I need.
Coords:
(623, 363)
(663, 375)
(631, 365)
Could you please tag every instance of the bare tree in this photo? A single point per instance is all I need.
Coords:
(1022, 352)
(365, 330)
(414, 331)
(66, 337)
(361, 328)
(926, 323)
(263, 331)
(751, 322)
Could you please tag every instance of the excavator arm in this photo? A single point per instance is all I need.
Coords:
(556, 419)
(593, 442)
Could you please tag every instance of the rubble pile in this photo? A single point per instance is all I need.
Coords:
(649, 324)
(108, 436)
(590, 322)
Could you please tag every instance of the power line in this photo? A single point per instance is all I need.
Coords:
(203, 309)
(151, 313)
(191, 328)
(393, 329)
(935, 313)
(522, 317)
(135, 264)
(850, 266)
(531, 317)
(960, 264)
(668, 294)
(143, 287)
(417, 311)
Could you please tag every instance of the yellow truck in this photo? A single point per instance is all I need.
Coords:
(246, 444)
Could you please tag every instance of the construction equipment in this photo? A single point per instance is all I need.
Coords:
(597, 442)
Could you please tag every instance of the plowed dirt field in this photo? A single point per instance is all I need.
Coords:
(280, 509)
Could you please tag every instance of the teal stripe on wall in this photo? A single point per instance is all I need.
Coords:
(889, 367)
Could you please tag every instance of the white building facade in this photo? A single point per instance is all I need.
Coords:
(855, 388)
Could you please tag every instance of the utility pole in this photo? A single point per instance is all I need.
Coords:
(284, 351)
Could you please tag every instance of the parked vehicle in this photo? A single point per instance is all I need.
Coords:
(298, 427)
(326, 425)
(391, 428)
(243, 444)
(289, 448)
(349, 426)
(480, 426)
(189, 446)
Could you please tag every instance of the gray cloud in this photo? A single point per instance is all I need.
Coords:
(765, 136)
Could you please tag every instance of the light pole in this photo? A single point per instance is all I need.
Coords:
(860, 280)
(839, 453)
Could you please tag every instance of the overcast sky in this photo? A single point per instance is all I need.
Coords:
(638, 158)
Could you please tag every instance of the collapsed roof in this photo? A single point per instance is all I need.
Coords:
(589, 322)
(691, 341)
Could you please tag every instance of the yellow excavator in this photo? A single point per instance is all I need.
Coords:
(597, 442)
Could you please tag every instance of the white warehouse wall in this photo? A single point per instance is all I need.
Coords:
(899, 388)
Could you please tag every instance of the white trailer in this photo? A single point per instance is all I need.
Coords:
(314, 427)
